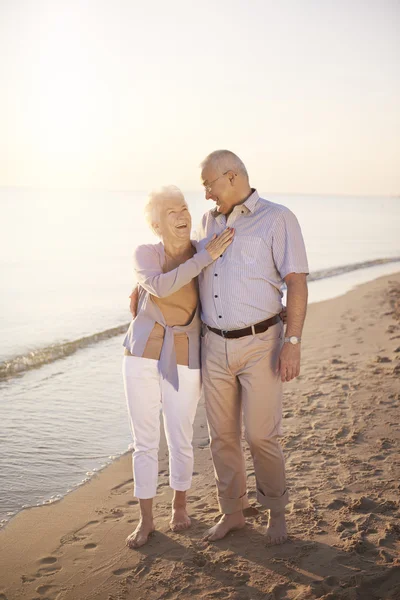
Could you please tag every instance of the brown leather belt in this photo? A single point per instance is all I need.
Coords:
(251, 330)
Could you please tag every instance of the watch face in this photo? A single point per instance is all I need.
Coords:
(293, 339)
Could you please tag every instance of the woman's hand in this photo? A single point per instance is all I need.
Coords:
(133, 305)
(219, 244)
(283, 315)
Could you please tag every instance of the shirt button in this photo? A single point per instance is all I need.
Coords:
(242, 212)
(216, 296)
(220, 317)
(215, 274)
(221, 255)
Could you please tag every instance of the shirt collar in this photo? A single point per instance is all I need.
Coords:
(252, 201)
(249, 205)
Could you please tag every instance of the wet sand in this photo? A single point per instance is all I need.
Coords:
(342, 447)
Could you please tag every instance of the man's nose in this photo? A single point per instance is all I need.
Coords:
(208, 195)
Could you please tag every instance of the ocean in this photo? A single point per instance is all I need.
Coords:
(65, 278)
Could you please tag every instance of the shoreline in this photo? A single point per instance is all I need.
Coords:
(341, 443)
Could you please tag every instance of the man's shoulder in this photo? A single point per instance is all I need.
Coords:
(266, 204)
(271, 209)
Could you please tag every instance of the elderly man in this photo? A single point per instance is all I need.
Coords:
(245, 358)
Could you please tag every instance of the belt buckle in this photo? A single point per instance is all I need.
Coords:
(223, 331)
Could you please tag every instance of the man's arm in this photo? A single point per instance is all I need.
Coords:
(297, 294)
(134, 299)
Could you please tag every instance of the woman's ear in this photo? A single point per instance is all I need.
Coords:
(156, 228)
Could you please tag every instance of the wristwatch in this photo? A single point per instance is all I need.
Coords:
(292, 340)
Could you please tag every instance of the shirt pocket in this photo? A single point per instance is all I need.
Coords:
(247, 249)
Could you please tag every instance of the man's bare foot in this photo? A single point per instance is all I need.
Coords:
(141, 534)
(180, 520)
(276, 531)
(226, 524)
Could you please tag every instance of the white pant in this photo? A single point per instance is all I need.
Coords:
(146, 393)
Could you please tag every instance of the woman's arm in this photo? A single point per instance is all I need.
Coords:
(150, 276)
(149, 271)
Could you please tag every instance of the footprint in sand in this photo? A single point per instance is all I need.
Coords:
(342, 525)
(48, 560)
(44, 589)
(50, 567)
(90, 546)
(79, 535)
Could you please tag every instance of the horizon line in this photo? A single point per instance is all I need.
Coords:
(191, 191)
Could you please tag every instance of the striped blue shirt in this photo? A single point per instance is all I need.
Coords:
(243, 286)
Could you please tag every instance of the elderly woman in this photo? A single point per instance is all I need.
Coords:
(161, 365)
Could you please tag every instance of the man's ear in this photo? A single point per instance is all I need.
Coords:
(231, 177)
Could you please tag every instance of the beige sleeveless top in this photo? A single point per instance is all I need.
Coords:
(178, 309)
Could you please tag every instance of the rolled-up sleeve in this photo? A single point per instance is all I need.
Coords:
(288, 247)
(149, 274)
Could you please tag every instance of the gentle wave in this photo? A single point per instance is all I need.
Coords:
(42, 356)
(333, 271)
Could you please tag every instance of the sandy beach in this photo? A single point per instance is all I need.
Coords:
(342, 448)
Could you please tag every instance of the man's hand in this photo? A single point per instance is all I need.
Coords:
(289, 358)
(283, 315)
(133, 305)
(289, 361)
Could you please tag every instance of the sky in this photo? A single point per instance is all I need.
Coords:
(130, 95)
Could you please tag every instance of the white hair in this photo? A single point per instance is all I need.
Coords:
(155, 200)
(223, 161)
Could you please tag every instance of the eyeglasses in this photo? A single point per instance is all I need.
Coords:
(208, 186)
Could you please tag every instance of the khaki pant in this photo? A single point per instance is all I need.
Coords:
(240, 377)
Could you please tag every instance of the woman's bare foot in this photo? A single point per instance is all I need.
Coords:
(276, 531)
(141, 534)
(226, 524)
(180, 520)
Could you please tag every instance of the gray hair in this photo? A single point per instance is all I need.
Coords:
(225, 160)
(155, 200)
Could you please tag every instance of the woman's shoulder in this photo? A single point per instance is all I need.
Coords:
(148, 252)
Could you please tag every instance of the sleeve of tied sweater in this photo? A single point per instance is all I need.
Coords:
(146, 262)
